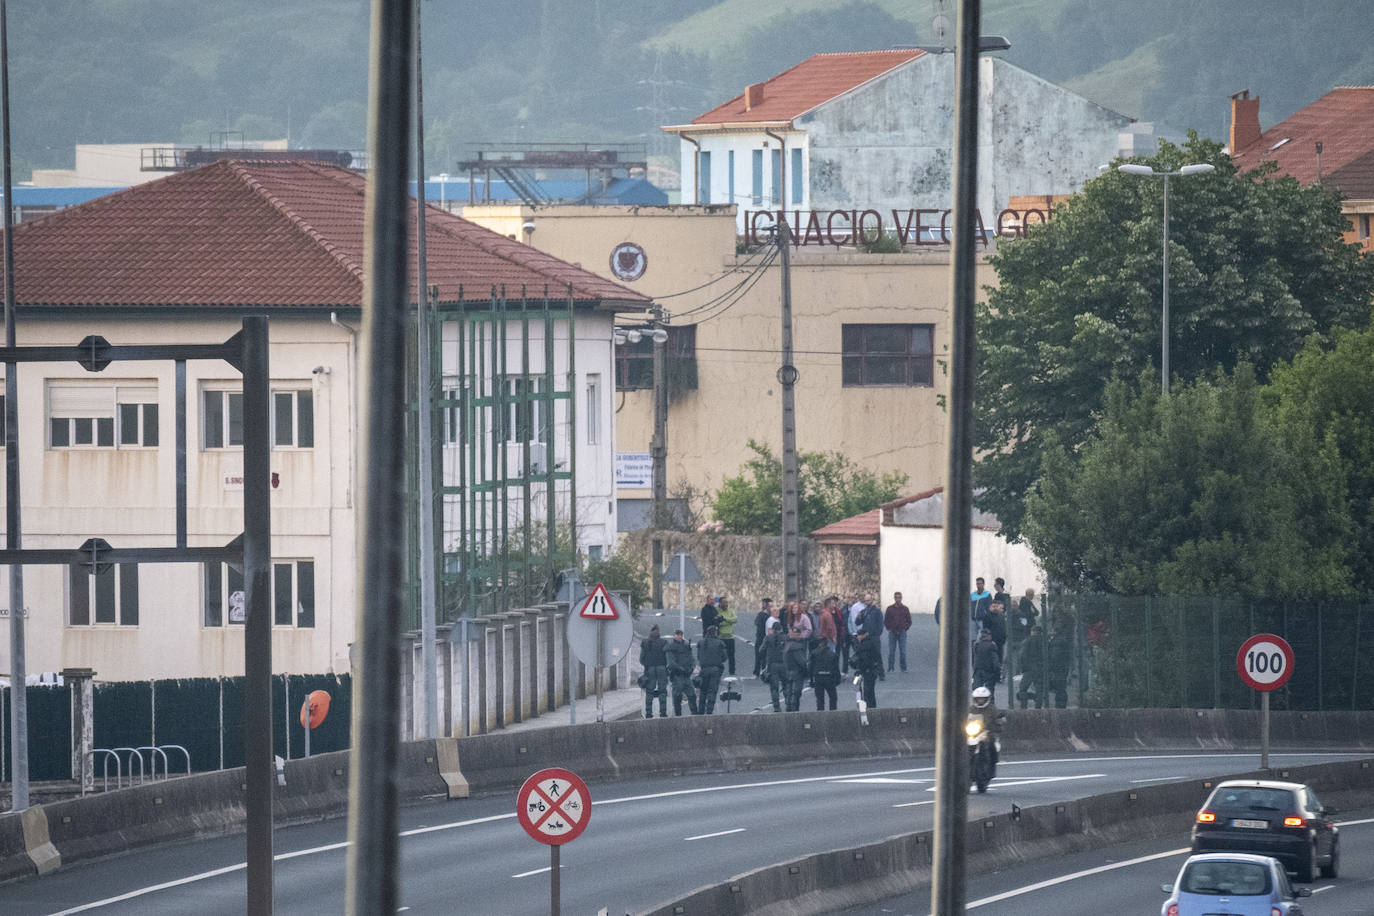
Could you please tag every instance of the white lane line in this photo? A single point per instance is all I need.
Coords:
(1064, 879)
(1035, 781)
(1155, 779)
(707, 836)
(203, 876)
(915, 804)
(537, 871)
(882, 781)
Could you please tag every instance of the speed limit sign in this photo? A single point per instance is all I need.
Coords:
(1265, 661)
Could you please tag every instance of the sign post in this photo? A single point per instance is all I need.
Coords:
(1265, 663)
(554, 806)
(599, 633)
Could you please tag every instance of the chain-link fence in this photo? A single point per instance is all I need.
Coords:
(1181, 652)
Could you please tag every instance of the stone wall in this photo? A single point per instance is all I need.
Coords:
(749, 567)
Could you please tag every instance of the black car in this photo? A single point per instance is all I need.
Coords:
(1280, 819)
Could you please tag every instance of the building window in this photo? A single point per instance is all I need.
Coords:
(593, 409)
(796, 176)
(634, 362)
(107, 597)
(756, 179)
(1365, 220)
(451, 415)
(704, 178)
(292, 421)
(776, 184)
(84, 415)
(730, 176)
(526, 409)
(293, 594)
(878, 355)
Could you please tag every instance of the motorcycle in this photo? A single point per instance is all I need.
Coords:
(981, 766)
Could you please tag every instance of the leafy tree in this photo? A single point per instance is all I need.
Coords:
(1324, 396)
(1197, 493)
(829, 487)
(1257, 265)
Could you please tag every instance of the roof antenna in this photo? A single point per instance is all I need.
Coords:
(940, 26)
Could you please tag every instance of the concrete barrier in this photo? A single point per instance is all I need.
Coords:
(212, 804)
(834, 880)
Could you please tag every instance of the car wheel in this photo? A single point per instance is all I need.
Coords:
(1307, 871)
(1330, 870)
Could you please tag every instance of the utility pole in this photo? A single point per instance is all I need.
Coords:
(19, 702)
(658, 448)
(787, 377)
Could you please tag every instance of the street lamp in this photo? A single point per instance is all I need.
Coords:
(1131, 168)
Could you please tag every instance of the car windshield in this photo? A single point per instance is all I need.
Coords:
(1234, 879)
(1253, 798)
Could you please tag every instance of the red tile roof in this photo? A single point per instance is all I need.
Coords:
(1354, 180)
(857, 529)
(251, 233)
(817, 79)
(1343, 122)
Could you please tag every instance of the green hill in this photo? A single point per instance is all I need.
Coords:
(93, 71)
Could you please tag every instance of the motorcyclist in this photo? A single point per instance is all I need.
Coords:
(983, 705)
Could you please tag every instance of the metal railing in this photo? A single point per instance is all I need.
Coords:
(131, 755)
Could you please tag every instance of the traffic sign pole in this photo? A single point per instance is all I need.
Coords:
(1265, 663)
(554, 889)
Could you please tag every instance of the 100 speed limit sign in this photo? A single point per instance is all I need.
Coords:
(1265, 661)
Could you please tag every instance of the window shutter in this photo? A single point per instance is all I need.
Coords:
(76, 400)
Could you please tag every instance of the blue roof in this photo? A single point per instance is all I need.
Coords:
(33, 196)
(621, 191)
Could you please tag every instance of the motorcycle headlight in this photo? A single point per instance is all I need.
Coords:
(973, 729)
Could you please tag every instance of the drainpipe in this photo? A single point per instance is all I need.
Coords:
(696, 167)
(782, 173)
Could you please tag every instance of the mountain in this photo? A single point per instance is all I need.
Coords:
(94, 71)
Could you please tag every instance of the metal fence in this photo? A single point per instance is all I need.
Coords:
(203, 715)
(1181, 652)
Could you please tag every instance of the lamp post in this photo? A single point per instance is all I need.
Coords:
(1132, 168)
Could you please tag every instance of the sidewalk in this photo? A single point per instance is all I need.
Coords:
(916, 687)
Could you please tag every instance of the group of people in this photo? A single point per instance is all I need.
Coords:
(669, 663)
(1043, 664)
(820, 642)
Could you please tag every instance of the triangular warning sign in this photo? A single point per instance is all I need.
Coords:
(598, 605)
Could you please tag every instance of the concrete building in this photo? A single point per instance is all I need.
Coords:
(870, 331)
(1330, 142)
(182, 260)
(874, 131)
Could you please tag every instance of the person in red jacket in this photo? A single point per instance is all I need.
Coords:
(896, 620)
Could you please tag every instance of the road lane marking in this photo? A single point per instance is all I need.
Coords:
(1035, 781)
(1155, 779)
(1064, 879)
(537, 871)
(205, 876)
(707, 836)
(1087, 873)
(881, 781)
(915, 804)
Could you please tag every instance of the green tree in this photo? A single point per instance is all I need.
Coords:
(1257, 265)
(1197, 493)
(829, 487)
(1324, 396)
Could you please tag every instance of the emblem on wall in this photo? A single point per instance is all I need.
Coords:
(628, 261)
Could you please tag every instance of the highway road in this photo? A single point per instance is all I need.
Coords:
(649, 840)
(1130, 876)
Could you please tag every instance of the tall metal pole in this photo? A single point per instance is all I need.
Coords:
(947, 896)
(658, 446)
(1164, 332)
(425, 416)
(372, 848)
(260, 771)
(19, 701)
(787, 377)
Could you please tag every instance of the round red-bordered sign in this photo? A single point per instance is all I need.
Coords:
(1265, 661)
(554, 806)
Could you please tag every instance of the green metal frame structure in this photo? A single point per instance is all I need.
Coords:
(504, 526)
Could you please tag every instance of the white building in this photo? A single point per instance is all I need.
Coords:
(182, 260)
(874, 130)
